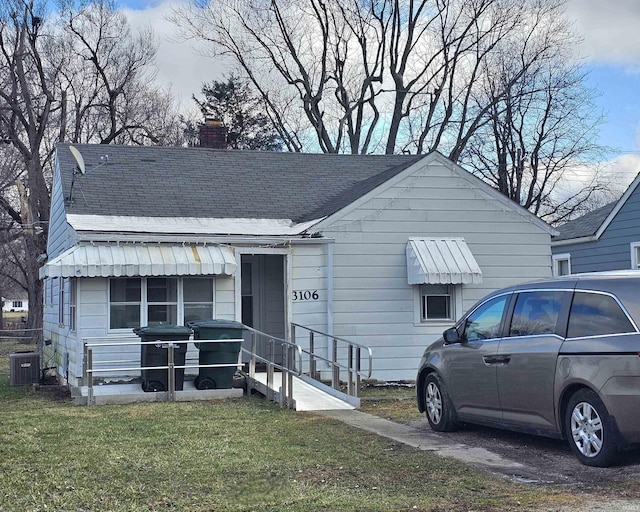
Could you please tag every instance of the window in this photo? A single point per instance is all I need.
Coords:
(484, 322)
(48, 291)
(635, 255)
(17, 304)
(436, 302)
(162, 300)
(561, 264)
(125, 298)
(159, 300)
(536, 313)
(198, 299)
(61, 302)
(72, 303)
(247, 294)
(596, 314)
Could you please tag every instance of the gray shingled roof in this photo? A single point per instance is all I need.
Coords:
(209, 183)
(584, 226)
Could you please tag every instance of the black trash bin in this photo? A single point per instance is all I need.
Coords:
(217, 353)
(157, 354)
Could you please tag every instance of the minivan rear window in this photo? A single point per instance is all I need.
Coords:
(596, 314)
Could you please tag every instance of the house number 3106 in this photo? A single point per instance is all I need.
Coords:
(305, 295)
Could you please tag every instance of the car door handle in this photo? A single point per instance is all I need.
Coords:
(496, 360)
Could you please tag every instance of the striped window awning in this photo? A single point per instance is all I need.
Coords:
(441, 261)
(130, 260)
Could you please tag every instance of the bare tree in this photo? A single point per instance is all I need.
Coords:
(78, 76)
(540, 128)
(28, 104)
(373, 76)
(109, 90)
(415, 76)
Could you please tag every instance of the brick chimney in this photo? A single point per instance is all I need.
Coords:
(213, 134)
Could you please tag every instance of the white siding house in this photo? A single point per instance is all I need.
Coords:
(15, 305)
(434, 199)
(387, 251)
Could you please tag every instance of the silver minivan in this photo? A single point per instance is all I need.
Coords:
(558, 358)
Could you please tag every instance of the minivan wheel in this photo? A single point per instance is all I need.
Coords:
(438, 407)
(588, 427)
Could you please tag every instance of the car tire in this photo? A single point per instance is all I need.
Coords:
(589, 430)
(438, 406)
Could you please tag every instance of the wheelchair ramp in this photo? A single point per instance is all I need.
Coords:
(307, 396)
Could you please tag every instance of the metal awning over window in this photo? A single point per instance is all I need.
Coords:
(441, 261)
(141, 260)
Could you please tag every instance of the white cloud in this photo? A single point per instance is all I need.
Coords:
(610, 30)
(180, 64)
(623, 170)
(614, 175)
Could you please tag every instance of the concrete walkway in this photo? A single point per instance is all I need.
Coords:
(429, 441)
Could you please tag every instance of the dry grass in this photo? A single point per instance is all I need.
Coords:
(237, 455)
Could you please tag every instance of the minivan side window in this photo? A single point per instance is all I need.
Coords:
(536, 312)
(484, 322)
(596, 314)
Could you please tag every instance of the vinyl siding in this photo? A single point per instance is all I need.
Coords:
(92, 322)
(309, 272)
(61, 235)
(613, 250)
(374, 305)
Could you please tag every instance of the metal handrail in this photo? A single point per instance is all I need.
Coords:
(353, 365)
(291, 365)
(88, 370)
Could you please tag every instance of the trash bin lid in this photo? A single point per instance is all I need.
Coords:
(163, 330)
(215, 324)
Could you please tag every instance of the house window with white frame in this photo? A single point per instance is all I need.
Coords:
(437, 302)
(635, 255)
(140, 301)
(125, 300)
(61, 302)
(561, 264)
(73, 290)
(198, 298)
(162, 300)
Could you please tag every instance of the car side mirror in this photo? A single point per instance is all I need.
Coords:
(451, 336)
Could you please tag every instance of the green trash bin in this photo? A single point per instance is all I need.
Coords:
(217, 353)
(157, 354)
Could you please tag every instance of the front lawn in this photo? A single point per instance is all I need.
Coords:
(244, 455)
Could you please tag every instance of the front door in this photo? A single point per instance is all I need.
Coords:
(263, 297)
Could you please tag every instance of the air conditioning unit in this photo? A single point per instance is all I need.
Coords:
(24, 368)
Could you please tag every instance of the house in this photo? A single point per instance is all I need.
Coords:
(19, 305)
(607, 238)
(382, 250)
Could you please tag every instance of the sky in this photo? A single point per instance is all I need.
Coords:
(610, 52)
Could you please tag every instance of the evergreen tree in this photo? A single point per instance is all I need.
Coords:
(233, 103)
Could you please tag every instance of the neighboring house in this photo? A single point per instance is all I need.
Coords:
(17, 305)
(605, 239)
(384, 250)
